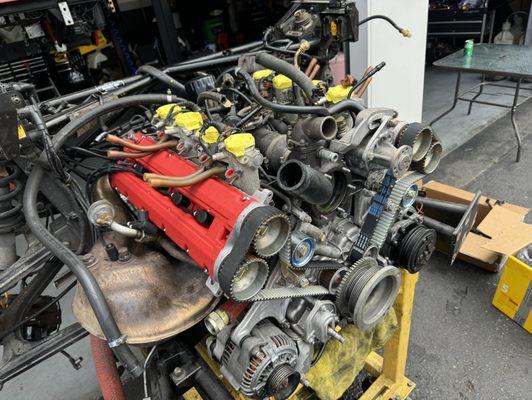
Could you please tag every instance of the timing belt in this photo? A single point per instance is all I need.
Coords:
(389, 213)
(382, 213)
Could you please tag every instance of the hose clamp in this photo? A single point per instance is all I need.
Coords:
(117, 342)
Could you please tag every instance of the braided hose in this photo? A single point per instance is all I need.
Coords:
(106, 371)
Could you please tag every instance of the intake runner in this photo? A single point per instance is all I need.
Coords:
(214, 222)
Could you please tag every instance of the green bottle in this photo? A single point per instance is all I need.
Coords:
(468, 48)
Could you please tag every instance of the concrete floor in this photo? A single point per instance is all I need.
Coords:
(461, 347)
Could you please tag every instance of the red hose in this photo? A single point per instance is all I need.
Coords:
(106, 370)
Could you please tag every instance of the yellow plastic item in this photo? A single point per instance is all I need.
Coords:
(21, 132)
(320, 84)
(514, 292)
(210, 135)
(337, 93)
(163, 111)
(238, 143)
(281, 82)
(189, 120)
(262, 73)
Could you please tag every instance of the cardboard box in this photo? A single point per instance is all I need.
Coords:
(514, 293)
(500, 227)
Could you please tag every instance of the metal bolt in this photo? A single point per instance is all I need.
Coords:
(178, 372)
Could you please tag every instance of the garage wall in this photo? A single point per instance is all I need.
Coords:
(399, 85)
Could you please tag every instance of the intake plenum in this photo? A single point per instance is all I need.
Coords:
(301, 180)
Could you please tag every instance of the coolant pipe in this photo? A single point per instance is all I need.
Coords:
(289, 70)
(106, 371)
(301, 180)
(315, 128)
(148, 175)
(186, 181)
(123, 154)
(162, 144)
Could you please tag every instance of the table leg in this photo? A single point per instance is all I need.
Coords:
(455, 100)
(476, 96)
(514, 123)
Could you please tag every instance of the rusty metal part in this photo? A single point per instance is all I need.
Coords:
(106, 370)
(151, 297)
(311, 66)
(162, 144)
(123, 154)
(186, 181)
(102, 190)
(347, 81)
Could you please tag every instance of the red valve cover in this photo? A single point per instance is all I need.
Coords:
(222, 201)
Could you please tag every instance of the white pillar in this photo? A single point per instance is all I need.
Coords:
(399, 85)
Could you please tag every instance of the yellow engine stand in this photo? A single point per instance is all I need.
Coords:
(389, 370)
(391, 382)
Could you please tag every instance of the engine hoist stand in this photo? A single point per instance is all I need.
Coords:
(388, 370)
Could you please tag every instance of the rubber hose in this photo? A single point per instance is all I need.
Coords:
(346, 105)
(287, 69)
(214, 96)
(106, 371)
(161, 182)
(79, 269)
(163, 77)
(162, 144)
(281, 108)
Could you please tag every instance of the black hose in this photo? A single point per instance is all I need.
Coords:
(79, 269)
(238, 93)
(279, 125)
(282, 108)
(385, 18)
(295, 74)
(346, 105)
(163, 77)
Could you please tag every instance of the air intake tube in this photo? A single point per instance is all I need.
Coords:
(301, 180)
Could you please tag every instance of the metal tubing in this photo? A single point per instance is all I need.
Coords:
(455, 100)
(481, 88)
(514, 123)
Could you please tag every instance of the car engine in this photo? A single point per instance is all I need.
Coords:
(267, 204)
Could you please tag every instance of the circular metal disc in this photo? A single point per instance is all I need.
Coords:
(151, 297)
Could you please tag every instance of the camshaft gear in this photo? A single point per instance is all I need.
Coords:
(271, 235)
